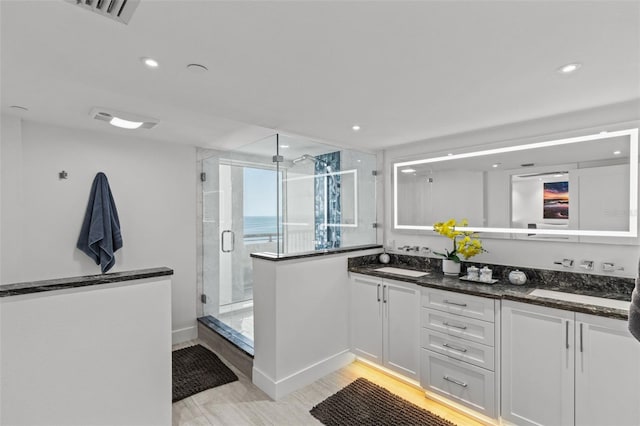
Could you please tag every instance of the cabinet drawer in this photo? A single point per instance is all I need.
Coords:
(462, 350)
(455, 325)
(467, 384)
(466, 305)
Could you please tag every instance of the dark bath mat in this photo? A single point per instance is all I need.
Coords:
(196, 369)
(365, 403)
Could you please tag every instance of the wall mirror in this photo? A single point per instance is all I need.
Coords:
(573, 188)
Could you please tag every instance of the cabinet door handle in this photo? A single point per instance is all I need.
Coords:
(384, 295)
(461, 327)
(378, 293)
(580, 337)
(567, 323)
(449, 302)
(446, 345)
(457, 382)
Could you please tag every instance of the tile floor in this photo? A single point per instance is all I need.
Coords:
(242, 403)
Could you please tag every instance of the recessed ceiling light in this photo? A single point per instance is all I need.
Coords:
(197, 68)
(569, 68)
(558, 175)
(284, 146)
(125, 124)
(150, 62)
(495, 165)
(408, 170)
(355, 127)
(450, 154)
(19, 108)
(617, 152)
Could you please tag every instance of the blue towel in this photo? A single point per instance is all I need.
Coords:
(100, 234)
(634, 311)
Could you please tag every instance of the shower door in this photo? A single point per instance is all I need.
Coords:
(239, 205)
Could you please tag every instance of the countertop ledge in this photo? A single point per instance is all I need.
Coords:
(501, 291)
(83, 281)
(274, 257)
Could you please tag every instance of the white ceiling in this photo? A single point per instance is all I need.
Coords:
(404, 71)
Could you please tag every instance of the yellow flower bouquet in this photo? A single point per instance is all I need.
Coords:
(468, 245)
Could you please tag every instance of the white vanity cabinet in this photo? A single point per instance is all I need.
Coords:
(385, 323)
(566, 368)
(458, 353)
(607, 372)
(537, 364)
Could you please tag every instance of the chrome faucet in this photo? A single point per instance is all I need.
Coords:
(610, 267)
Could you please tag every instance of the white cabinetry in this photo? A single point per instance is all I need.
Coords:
(565, 368)
(458, 353)
(366, 317)
(537, 365)
(607, 372)
(385, 323)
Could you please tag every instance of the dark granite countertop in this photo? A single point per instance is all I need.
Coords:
(279, 257)
(84, 281)
(501, 290)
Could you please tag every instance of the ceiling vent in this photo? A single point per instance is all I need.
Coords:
(119, 10)
(123, 120)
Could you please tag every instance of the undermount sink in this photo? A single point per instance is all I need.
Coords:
(400, 271)
(579, 298)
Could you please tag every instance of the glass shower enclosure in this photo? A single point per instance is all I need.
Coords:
(281, 195)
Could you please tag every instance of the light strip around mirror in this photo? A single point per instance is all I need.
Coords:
(633, 187)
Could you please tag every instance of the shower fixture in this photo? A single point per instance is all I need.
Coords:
(304, 157)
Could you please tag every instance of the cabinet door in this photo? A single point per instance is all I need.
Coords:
(366, 317)
(607, 372)
(401, 304)
(537, 365)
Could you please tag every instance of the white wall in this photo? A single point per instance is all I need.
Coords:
(103, 369)
(535, 254)
(11, 197)
(154, 187)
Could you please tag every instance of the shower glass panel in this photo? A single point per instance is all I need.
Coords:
(328, 196)
(280, 195)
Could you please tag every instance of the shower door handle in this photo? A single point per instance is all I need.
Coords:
(233, 240)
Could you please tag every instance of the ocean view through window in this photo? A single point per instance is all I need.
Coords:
(260, 222)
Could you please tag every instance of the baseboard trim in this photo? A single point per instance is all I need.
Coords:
(184, 334)
(306, 376)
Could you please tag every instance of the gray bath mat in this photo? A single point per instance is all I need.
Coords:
(196, 369)
(363, 403)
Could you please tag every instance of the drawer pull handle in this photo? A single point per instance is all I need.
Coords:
(446, 345)
(457, 382)
(461, 327)
(454, 303)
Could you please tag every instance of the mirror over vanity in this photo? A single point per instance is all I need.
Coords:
(576, 188)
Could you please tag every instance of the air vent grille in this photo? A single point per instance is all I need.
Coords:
(119, 10)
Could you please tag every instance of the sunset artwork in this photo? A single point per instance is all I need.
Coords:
(556, 200)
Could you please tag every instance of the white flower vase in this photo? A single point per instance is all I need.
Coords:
(450, 267)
